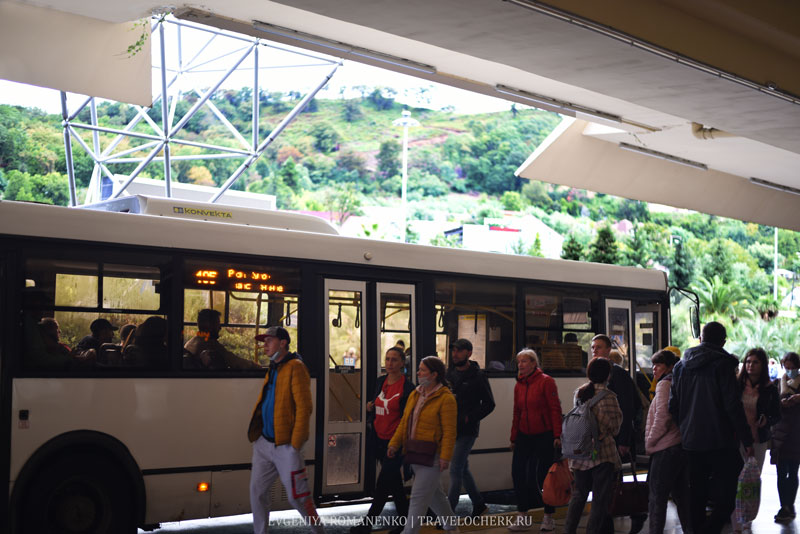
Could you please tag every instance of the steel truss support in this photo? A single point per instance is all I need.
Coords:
(159, 144)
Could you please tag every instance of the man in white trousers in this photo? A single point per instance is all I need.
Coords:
(278, 429)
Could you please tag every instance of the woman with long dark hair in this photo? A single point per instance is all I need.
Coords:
(391, 393)
(761, 406)
(596, 473)
(427, 435)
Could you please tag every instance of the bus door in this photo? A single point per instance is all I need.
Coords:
(647, 334)
(350, 357)
(618, 327)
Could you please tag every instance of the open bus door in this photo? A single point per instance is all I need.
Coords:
(684, 312)
(355, 360)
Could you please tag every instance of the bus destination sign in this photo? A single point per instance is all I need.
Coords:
(237, 280)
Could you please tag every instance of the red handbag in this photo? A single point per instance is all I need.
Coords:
(557, 487)
(420, 452)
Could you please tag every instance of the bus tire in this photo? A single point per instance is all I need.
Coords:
(79, 493)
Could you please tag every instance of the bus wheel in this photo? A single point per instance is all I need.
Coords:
(79, 494)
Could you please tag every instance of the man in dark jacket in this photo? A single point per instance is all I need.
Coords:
(475, 401)
(706, 403)
(623, 386)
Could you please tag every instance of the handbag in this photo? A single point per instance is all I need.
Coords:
(629, 498)
(557, 487)
(420, 452)
(748, 492)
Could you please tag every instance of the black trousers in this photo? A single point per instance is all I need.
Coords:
(390, 482)
(533, 456)
(713, 475)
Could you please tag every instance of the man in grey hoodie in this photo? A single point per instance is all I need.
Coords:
(706, 403)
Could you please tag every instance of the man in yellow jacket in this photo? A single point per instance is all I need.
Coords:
(278, 429)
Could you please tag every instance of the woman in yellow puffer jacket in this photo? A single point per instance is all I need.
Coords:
(426, 435)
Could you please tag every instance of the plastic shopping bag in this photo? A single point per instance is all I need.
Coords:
(748, 492)
(557, 487)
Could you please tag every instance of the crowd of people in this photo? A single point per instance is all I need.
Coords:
(708, 414)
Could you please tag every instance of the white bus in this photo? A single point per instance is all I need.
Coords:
(109, 443)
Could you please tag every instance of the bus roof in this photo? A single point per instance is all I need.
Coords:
(217, 235)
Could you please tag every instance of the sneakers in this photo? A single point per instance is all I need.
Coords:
(548, 524)
(784, 515)
(478, 511)
(520, 523)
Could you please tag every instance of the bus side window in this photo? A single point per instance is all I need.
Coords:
(559, 329)
(73, 312)
(225, 306)
(483, 312)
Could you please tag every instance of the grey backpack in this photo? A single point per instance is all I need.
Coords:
(579, 432)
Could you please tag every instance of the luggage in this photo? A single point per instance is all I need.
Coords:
(630, 498)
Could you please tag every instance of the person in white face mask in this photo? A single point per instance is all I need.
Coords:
(278, 429)
(785, 451)
(427, 435)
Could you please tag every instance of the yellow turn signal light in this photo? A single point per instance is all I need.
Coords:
(202, 486)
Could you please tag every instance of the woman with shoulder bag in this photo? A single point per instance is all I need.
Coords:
(427, 435)
(535, 436)
(669, 470)
(598, 472)
(392, 391)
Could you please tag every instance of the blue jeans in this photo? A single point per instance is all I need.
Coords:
(459, 474)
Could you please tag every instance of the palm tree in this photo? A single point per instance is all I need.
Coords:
(719, 300)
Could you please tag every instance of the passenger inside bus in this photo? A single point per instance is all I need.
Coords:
(45, 349)
(102, 332)
(150, 348)
(204, 351)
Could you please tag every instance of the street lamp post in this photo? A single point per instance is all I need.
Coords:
(405, 121)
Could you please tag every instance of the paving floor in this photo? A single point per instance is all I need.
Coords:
(338, 519)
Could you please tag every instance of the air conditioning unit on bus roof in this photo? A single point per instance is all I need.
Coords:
(188, 209)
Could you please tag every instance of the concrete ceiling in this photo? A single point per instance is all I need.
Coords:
(733, 65)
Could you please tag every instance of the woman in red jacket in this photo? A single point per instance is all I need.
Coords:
(535, 434)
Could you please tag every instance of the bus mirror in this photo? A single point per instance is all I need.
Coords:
(694, 317)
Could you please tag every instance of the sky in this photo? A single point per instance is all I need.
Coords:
(281, 70)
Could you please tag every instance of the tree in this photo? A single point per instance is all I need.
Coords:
(681, 272)
(637, 251)
(382, 98)
(717, 261)
(351, 111)
(536, 193)
(343, 200)
(326, 138)
(536, 248)
(200, 175)
(721, 300)
(512, 201)
(48, 189)
(389, 158)
(571, 249)
(604, 248)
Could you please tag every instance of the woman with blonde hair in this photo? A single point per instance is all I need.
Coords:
(535, 435)
(426, 435)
